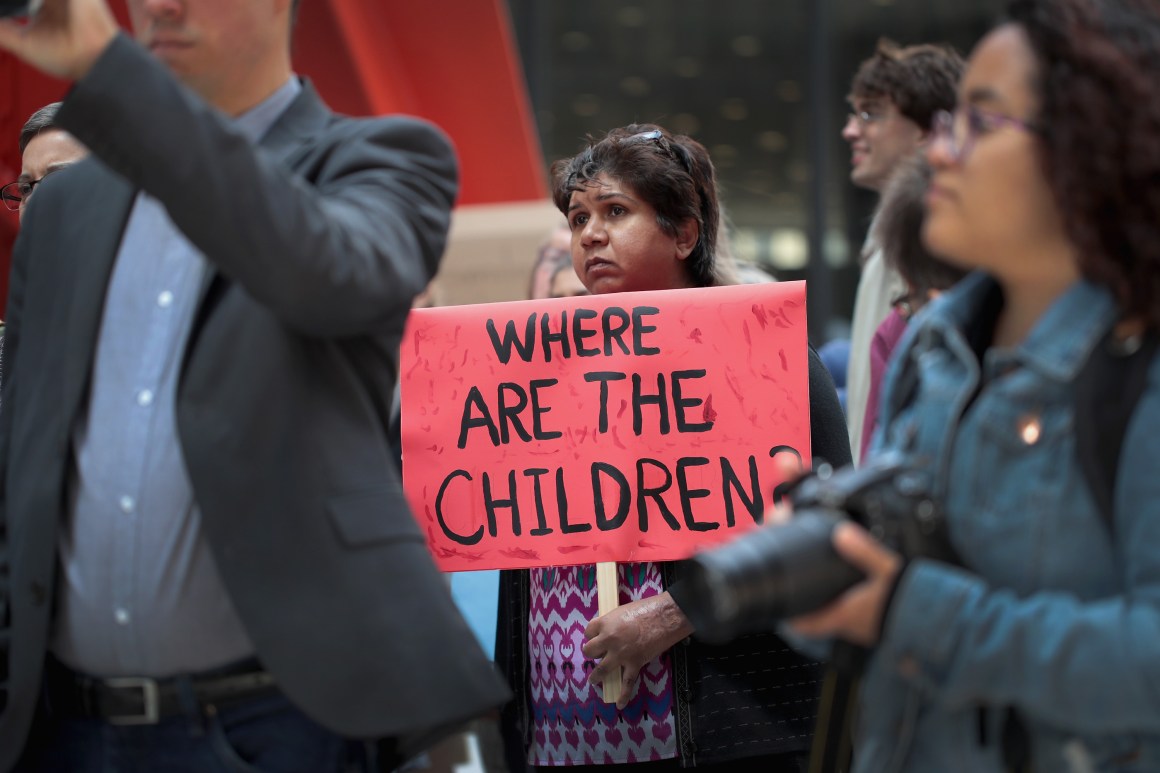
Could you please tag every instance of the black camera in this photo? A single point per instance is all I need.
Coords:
(780, 572)
(19, 7)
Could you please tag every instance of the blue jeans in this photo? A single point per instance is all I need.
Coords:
(264, 734)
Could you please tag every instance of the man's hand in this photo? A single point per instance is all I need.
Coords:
(856, 615)
(64, 39)
(631, 636)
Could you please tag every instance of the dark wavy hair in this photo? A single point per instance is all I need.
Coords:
(898, 231)
(672, 173)
(920, 80)
(1098, 85)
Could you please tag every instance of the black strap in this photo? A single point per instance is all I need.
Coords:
(1106, 393)
(832, 748)
(1015, 742)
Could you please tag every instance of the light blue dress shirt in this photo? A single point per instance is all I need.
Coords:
(140, 594)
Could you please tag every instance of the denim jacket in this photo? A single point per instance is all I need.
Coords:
(1056, 613)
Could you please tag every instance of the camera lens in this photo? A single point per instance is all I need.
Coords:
(765, 576)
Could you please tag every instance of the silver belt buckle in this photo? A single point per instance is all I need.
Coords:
(150, 699)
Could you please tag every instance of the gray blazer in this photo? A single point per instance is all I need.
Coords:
(318, 241)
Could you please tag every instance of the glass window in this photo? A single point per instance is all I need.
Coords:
(736, 75)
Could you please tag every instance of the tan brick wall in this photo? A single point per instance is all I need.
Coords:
(492, 248)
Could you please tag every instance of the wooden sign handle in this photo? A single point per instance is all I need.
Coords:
(608, 593)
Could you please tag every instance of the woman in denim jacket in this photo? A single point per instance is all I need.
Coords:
(1043, 651)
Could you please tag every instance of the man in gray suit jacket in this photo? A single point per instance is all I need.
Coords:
(206, 562)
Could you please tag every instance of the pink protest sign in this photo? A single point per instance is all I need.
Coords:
(627, 427)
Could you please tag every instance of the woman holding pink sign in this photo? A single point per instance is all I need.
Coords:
(644, 214)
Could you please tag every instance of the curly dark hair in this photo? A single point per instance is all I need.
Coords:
(920, 80)
(1098, 86)
(898, 231)
(672, 173)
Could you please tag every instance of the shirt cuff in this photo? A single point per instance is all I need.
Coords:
(920, 631)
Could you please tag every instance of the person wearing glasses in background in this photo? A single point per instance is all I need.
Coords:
(1036, 650)
(45, 148)
(642, 207)
(894, 97)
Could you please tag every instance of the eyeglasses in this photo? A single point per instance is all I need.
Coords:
(864, 117)
(15, 194)
(962, 129)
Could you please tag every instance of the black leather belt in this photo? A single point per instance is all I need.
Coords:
(145, 701)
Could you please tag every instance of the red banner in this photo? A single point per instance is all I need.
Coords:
(626, 427)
